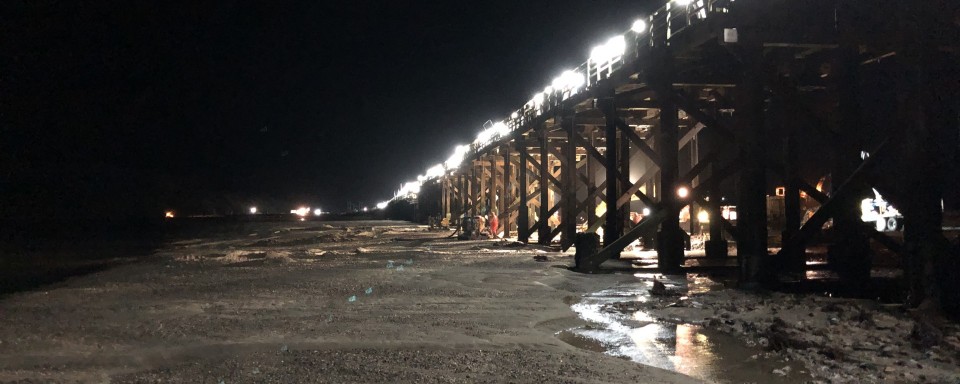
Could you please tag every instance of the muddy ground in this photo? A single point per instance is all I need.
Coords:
(312, 302)
(836, 340)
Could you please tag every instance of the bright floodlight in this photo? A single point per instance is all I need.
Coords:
(500, 129)
(457, 157)
(435, 171)
(484, 136)
(683, 192)
(703, 217)
(253, 210)
(514, 115)
(568, 80)
(613, 48)
(598, 54)
(639, 26)
(382, 204)
(317, 212)
(409, 188)
(646, 211)
(683, 3)
(415, 188)
(538, 100)
(302, 211)
(168, 214)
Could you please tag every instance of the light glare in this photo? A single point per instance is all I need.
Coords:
(639, 26)
(703, 217)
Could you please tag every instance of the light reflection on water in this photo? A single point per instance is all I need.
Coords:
(684, 348)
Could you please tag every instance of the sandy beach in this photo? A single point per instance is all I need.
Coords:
(313, 302)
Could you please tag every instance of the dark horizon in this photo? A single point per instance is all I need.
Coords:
(125, 110)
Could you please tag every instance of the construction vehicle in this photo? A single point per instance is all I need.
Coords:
(879, 211)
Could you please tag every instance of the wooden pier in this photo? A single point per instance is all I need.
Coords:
(787, 113)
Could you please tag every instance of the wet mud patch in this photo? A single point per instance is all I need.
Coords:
(618, 325)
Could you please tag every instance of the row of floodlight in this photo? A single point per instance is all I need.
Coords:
(567, 84)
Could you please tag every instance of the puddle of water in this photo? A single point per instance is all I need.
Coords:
(684, 348)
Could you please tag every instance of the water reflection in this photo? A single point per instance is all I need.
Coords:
(684, 348)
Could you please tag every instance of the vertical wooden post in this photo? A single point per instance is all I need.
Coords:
(670, 239)
(494, 181)
(716, 247)
(612, 223)
(523, 215)
(591, 183)
(473, 188)
(752, 205)
(543, 231)
(507, 199)
(482, 204)
(569, 179)
(849, 255)
(443, 197)
(794, 260)
(624, 169)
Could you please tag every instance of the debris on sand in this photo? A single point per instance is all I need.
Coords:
(541, 258)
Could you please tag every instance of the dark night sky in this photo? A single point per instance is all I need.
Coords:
(119, 107)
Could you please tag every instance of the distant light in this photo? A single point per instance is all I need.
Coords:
(683, 192)
(639, 26)
(168, 214)
(317, 212)
(703, 217)
(514, 115)
(253, 210)
(682, 3)
(302, 211)
(646, 211)
(364, 209)
(382, 204)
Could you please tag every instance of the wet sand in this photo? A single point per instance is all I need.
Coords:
(313, 302)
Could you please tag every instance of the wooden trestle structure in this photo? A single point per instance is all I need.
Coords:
(731, 100)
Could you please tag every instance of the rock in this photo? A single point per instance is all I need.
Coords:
(658, 288)
(924, 335)
(782, 371)
(541, 258)
(763, 342)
